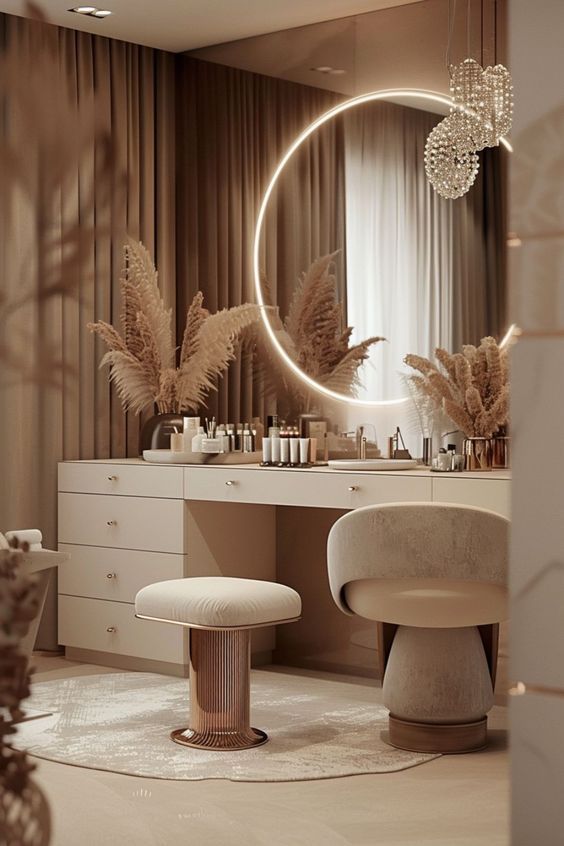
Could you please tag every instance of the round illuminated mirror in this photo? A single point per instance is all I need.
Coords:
(350, 232)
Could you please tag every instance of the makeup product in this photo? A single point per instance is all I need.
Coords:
(231, 436)
(458, 463)
(222, 437)
(273, 426)
(427, 451)
(177, 442)
(284, 451)
(247, 439)
(444, 461)
(266, 452)
(313, 450)
(211, 445)
(275, 448)
(294, 451)
(191, 426)
(197, 440)
(304, 452)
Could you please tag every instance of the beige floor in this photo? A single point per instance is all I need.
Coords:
(453, 801)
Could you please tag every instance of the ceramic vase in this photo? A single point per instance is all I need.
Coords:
(156, 431)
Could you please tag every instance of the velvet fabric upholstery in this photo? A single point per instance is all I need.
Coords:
(218, 602)
(417, 541)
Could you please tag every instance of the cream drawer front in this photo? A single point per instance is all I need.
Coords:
(116, 574)
(121, 479)
(305, 488)
(493, 494)
(122, 522)
(84, 624)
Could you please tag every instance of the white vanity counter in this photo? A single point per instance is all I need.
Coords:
(127, 523)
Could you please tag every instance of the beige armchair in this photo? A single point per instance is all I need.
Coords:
(434, 577)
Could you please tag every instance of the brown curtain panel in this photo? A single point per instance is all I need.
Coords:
(232, 128)
(77, 415)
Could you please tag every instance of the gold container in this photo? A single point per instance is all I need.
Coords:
(478, 454)
(501, 452)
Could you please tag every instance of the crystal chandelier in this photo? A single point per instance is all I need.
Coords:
(481, 112)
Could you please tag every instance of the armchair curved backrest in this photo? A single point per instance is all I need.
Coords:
(422, 560)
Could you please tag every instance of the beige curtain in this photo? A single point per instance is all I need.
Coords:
(232, 127)
(76, 415)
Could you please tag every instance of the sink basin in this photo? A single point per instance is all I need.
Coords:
(374, 464)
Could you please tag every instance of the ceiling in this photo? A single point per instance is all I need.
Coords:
(179, 25)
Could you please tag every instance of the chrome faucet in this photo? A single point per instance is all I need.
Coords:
(360, 443)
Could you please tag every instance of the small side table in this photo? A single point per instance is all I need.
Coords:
(41, 562)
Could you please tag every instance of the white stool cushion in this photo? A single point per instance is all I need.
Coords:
(218, 602)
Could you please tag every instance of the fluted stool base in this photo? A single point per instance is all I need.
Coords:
(220, 741)
(220, 665)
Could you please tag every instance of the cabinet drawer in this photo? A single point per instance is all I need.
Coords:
(123, 522)
(116, 574)
(303, 488)
(84, 624)
(121, 479)
(493, 494)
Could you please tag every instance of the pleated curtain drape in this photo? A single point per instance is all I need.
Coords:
(78, 415)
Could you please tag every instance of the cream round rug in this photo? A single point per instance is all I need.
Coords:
(121, 722)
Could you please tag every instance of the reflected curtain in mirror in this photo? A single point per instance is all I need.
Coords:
(421, 270)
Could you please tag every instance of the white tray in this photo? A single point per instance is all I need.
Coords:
(374, 464)
(166, 456)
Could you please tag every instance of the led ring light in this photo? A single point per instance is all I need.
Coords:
(431, 96)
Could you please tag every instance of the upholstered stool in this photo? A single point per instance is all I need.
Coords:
(434, 576)
(220, 612)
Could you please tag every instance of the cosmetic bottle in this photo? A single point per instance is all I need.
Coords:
(177, 442)
(197, 440)
(275, 450)
(223, 438)
(304, 452)
(266, 453)
(274, 426)
(231, 436)
(284, 448)
(247, 439)
(191, 425)
(294, 451)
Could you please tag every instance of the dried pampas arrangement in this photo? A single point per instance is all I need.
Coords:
(471, 387)
(313, 336)
(142, 359)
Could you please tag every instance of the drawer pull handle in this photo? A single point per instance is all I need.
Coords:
(230, 482)
(111, 575)
(112, 478)
(111, 523)
(111, 629)
(353, 488)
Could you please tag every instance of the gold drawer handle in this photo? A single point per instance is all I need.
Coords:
(111, 629)
(230, 482)
(111, 522)
(111, 575)
(112, 478)
(353, 488)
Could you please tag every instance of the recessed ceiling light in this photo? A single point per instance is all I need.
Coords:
(337, 71)
(322, 69)
(91, 11)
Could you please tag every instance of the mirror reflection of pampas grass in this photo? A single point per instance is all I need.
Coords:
(471, 387)
(312, 334)
(142, 360)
